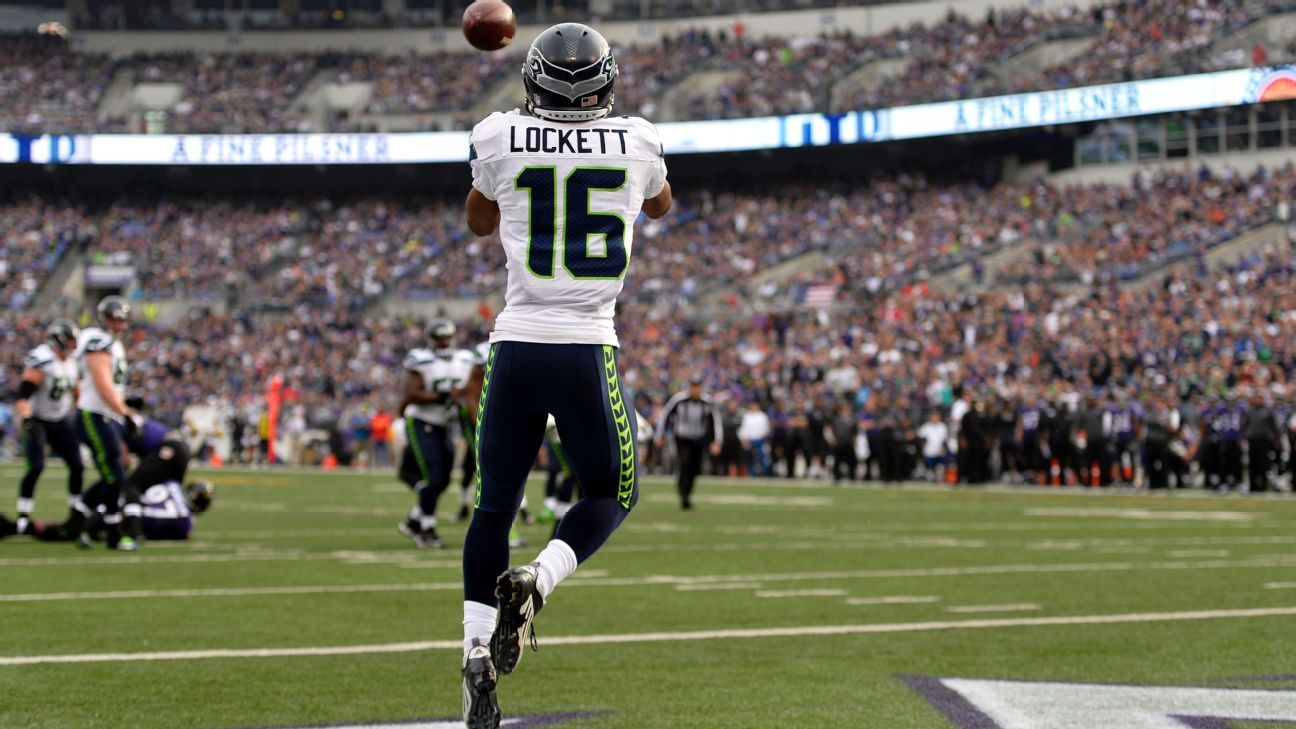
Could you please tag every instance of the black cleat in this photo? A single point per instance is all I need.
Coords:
(462, 514)
(519, 601)
(423, 538)
(480, 705)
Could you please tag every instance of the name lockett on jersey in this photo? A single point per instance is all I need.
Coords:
(567, 141)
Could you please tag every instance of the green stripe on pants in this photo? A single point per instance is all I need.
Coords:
(411, 436)
(625, 435)
(97, 447)
(481, 416)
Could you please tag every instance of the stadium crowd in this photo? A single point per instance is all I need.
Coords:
(957, 57)
(896, 229)
(1054, 381)
(34, 235)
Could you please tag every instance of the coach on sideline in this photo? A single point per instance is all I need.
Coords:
(694, 420)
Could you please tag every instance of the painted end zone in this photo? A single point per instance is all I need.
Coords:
(989, 704)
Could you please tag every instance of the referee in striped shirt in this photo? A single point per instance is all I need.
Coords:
(695, 421)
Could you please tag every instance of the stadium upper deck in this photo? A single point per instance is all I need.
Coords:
(117, 84)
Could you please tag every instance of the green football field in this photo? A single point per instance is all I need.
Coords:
(297, 603)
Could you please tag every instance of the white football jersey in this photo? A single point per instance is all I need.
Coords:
(569, 195)
(53, 400)
(98, 340)
(441, 372)
(481, 354)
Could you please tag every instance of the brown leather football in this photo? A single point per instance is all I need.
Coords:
(489, 25)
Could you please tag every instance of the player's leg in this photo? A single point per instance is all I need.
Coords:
(105, 440)
(684, 454)
(66, 445)
(466, 486)
(415, 470)
(34, 449)
(436, 451)
(597, 429)
(510, 427)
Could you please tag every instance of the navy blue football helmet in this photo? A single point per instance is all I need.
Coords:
(568, 74)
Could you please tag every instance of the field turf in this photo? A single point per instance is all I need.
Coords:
(771, 605)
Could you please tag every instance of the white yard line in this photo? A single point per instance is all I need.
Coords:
(747, 634)
(1016, 607)
(1149, 514)
(893, 600)
(721, 586)
(1186, 553)
(1280, 586)
(800, 593)
(595, 579)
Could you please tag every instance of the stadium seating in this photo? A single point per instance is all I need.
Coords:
(34, 235)
(956, 58)
(886, 233)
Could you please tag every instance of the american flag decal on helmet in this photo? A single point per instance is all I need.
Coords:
(589, 100)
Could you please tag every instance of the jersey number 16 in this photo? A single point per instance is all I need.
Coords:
(579, 225)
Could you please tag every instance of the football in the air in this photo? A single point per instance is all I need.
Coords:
(489, 25)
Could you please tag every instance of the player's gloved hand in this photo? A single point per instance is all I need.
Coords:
(132, 426)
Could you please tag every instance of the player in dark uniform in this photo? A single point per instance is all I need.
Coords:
(1126, 420)
(169, 513)
(1209, 453)
(150, 503)
(1029, 420)
(1229, 422)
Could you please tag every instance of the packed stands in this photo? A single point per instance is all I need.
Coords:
(48, 87)
(954, 58)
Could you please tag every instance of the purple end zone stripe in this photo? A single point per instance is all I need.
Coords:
(1214, 722)
(949, 702)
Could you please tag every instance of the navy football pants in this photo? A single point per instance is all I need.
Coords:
(61, 435)
(428, 459)
(579, 384)
(104, 436)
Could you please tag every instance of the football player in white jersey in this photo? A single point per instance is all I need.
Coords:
(44, 405)
(104, 418)
(564, 186)
(433, 375)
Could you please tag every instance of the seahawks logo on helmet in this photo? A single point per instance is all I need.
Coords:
(568, 74)
(113, 308)
(62, 334)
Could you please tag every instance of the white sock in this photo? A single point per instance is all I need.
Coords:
(560, 509)
(72, 500)
(551, 502)
(427, 522)
(415, 513)
(556, 562)
(478, 622)
(25, 506)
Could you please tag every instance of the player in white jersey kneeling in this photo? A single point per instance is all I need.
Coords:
(564, 187)
(44, 404)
